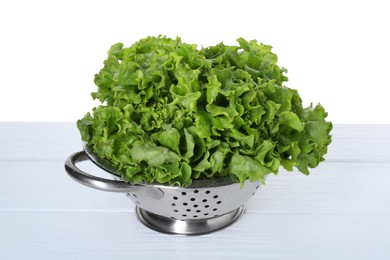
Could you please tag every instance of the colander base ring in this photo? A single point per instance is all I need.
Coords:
(190, 226)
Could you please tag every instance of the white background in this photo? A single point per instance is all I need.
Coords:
(336, 52)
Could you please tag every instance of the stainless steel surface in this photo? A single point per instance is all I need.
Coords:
(106, 184)
(94, 181)
(197, 201)
(188, 227)
(204, 206)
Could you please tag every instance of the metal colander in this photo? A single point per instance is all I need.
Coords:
(203, 207)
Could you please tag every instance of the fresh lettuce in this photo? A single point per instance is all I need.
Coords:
(172, 113)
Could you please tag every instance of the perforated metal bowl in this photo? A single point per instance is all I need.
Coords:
(203, 207)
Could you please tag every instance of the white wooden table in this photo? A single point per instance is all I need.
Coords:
(340, 211)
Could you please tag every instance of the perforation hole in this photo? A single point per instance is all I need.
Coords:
(191, 206)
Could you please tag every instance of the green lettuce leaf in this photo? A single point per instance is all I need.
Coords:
(172, 113)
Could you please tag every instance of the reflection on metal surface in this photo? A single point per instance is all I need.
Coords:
(190, 226)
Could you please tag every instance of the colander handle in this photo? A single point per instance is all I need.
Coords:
(94, 181)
